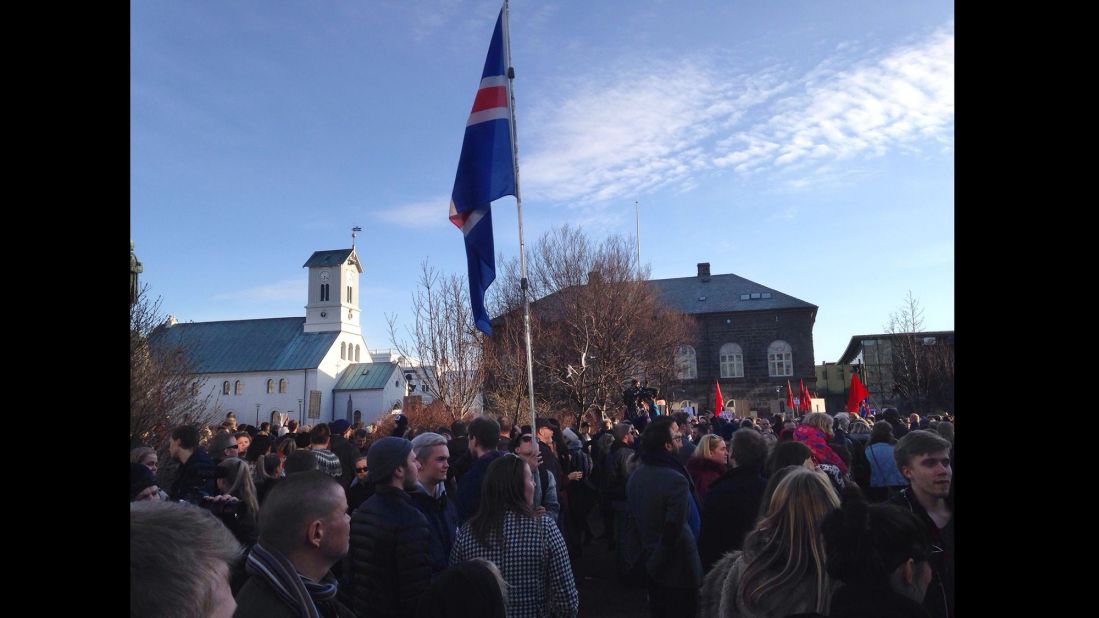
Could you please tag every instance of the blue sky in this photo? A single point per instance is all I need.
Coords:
(805, 145)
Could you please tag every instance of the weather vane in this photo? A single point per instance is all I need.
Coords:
(354, 231)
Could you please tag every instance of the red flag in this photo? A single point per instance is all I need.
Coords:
(857, 393)
(803, 393)
(790, 397)
(719, 402)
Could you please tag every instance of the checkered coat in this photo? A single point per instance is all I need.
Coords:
(534, 564)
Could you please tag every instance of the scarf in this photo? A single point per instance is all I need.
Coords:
(815, 439)
(300, 593)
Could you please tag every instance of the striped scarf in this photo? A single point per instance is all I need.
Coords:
(294, 589)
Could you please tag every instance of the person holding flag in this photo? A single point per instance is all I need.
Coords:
(857, 397)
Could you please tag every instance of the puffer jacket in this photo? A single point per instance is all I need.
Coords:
(389, 555)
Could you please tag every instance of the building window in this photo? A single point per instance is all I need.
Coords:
(270, 386)
(732, 361)
(324, 291)
(225, 387)
(282, 385)
(779, 360)
(349, 294)
(238, 388)
(343, 351)
(356, 352)
(685, 363)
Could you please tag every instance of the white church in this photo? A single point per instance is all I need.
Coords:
(314, 369)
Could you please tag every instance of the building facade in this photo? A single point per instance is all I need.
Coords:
(907, 371)
(308, 368)
(750, 339)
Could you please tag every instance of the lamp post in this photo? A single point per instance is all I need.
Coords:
(300, 419)
(257, 415)
(778, 395)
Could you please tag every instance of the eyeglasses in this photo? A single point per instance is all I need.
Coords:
(361, 469)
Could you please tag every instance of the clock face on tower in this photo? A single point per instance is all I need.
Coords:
(324, 276)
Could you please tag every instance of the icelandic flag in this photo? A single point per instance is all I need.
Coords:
(486, 172)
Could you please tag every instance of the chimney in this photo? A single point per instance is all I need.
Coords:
(704, 271)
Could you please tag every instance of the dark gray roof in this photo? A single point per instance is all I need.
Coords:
(272, 344)
(721, 294)
(334, 257)
(855, 344)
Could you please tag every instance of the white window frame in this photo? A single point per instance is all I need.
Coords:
(686, 363)
(731, 360)
(780, 359)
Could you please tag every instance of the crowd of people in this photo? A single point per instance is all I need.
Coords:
(817, 515)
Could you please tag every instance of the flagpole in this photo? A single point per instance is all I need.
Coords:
(524, 283)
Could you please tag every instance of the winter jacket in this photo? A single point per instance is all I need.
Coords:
(850, 602)
(257, 599)
(442, 518)
(347, 453)
(729, 513)
(534, 563)
(703, 472)
(660, 502)
(469, 486)
(723, 597)
(939, 600)
(883, 468)
(195, 479)
(389, 555)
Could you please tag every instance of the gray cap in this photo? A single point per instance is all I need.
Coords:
(385, 456)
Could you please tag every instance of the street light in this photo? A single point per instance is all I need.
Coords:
(300, 420)
(257, 415)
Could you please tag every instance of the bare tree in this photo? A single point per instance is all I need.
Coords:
(444, 340)
(164, 388)
(595, 324)
(923, 367)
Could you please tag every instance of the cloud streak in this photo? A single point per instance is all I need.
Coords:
(662, 124)
(417, 215)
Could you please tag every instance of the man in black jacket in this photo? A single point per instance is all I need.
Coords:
(389, 536)
(195, 477)
(732, 503)
(303, 531)
(923, 457)
(431, 499)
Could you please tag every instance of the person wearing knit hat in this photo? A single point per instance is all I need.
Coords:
(142, 484)
(389, 536)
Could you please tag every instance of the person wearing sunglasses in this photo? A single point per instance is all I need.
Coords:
(360, 490)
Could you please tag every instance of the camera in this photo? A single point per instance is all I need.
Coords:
(227, 511)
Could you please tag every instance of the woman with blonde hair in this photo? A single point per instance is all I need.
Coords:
(709, 461)
(782, 568)
(237, 505)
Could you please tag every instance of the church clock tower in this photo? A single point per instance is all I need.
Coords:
(333, 299)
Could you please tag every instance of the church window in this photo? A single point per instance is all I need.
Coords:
(779, 360)
(349, 293)
(343, 351)
(282, 385)
(356, 352)
(270, 386)
(324, 291)
(239, 388)
(225, 387)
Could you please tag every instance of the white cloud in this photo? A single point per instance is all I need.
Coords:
(659, 124)
(427, 213)
(286, 289)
